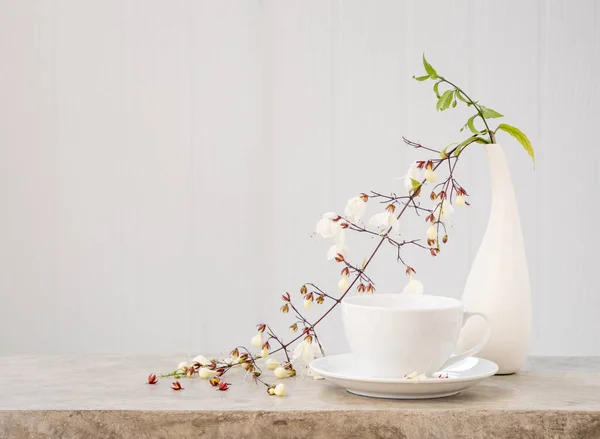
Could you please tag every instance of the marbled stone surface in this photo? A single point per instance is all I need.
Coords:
(106, 397)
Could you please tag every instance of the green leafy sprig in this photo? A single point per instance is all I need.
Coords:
(453, 94)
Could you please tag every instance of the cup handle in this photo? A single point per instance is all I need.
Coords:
(455, 358)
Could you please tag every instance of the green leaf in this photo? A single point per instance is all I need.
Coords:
(416, 187)
(430, 70)
(488, 113)
(453, 104)
(421, 78)
(445, 100)
(460, 97)
(461, 145)
(435, 89)
(471, 124)
(521, 138)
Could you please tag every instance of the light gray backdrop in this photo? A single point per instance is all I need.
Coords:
(164, 162)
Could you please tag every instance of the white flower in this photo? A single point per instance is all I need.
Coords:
(183, 367)
(257, 340)
(230, 360)
(460, 201)
(264, 353)
(430, 175)
(355, 208)
(206, 373)
(308, 303)
(279, 389)
(272, 364)
(280, 372)
(328, 228)
(416, 376)
(432, 232)
(413, 287)
(201, 359)
(307, 352)
(384, 220)
(246, 365)
(343, 283)
(446, 211)
(340, 248)
(412, 174)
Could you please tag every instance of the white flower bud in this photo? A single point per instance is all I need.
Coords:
(206, 373)
(445, 212)
(460, 201)
(182, 367)
(416, 376)
(432, 232)
(279, 389)
(272, 364)
(430, 175)
(280, 372)
(307, 303)
(230, 360)
(413, 287)
(257, 340)
(343, 283)
(264, 353)
(201, 359)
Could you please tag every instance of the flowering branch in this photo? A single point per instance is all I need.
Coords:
(385, 225)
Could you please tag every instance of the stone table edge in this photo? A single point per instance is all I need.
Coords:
(403, 423)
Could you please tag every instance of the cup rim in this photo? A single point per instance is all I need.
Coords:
(450, 302)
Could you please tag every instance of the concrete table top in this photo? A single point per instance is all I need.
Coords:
(106, 397)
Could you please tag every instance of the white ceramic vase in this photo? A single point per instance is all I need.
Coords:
(498, 284)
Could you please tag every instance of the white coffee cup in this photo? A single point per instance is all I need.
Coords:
(395, 335)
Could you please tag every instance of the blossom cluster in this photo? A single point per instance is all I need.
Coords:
(384, 224)
(445, 193)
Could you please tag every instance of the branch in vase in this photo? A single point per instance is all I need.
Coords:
(446, 193)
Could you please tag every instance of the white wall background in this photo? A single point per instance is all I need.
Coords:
(163, 163)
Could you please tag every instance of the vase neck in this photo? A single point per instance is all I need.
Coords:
(502, 187)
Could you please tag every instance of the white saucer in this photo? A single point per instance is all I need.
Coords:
(343, 371)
